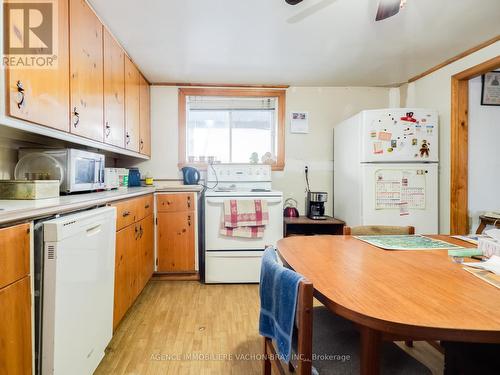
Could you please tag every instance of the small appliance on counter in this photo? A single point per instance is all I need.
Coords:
(77, 170)
(190, 176)
(316, 205)
(111, 180)
(122, 178)
(29, 189)
(134, 177)
(291, 208)
(315, 201)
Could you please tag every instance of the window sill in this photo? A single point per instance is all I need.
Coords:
(204, 166)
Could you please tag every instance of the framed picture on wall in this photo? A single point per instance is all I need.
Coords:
(490, 91)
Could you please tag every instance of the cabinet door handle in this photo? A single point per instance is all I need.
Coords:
(108, 129)
(137, 233)
(142, 144)
(128, 138)
(141, 232)
(189, 202)
(146, 206)
(189, 220)
(77, 117)
(20, 94)
(126, 213)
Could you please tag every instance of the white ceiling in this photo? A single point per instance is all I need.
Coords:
(250, 41)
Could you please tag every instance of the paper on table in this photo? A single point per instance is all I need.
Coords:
(493, 233)
(492, 264)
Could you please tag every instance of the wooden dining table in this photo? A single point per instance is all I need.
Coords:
(395, 295)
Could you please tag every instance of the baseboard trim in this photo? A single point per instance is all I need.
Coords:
(177, 276)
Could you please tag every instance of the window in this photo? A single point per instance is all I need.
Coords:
(231, 126)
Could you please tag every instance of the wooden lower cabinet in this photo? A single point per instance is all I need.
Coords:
(15, 328)
(146, 250)
(175, 241)
(15, 301)
(123, 264)
(134, 258)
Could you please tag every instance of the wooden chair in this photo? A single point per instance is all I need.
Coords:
(303, 323)
(317, 329)
(375, 230)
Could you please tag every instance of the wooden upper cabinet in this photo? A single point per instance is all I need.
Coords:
(114, 92)
(42, 95)
(86, 71)
(132, 109)
(145, 118)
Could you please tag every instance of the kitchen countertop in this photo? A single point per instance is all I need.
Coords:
(21, 210)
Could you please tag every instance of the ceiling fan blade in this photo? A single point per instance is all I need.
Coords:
(293, 2)
(310, 11)
(387, 8)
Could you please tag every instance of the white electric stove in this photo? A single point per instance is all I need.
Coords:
(235, 259)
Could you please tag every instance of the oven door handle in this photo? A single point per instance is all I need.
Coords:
(221, 200)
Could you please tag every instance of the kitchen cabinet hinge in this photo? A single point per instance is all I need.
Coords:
(156, 261)
(156, 221)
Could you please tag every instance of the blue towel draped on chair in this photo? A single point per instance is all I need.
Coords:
(278, 300)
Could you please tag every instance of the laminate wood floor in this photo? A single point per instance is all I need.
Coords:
(185, 327)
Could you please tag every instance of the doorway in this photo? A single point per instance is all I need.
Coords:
(459, 189)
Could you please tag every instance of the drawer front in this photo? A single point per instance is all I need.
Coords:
(144, 206)
(14, 253)
(175, 202)
(126, 213)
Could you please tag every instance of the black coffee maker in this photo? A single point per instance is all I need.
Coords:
(316, 204)
(315, 201)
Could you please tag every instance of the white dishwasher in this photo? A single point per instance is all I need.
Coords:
(78, 291)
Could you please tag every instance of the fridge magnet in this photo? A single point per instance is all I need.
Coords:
(414, 142)
(377, 148)
(490, 89)
(408, 117)
(403, 209)
(390, 149)
(394, 143)
(299, 122)
(373, 134)
(424, 149)
(384, 136)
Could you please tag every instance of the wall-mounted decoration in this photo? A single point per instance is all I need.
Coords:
(490, 91)
(299, 122)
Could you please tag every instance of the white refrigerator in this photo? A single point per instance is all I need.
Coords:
(386, 168)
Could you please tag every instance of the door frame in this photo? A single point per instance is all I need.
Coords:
(459, 221)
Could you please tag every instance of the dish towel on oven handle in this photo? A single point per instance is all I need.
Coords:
(244, 218)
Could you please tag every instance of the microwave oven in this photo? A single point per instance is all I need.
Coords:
(80, 170)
